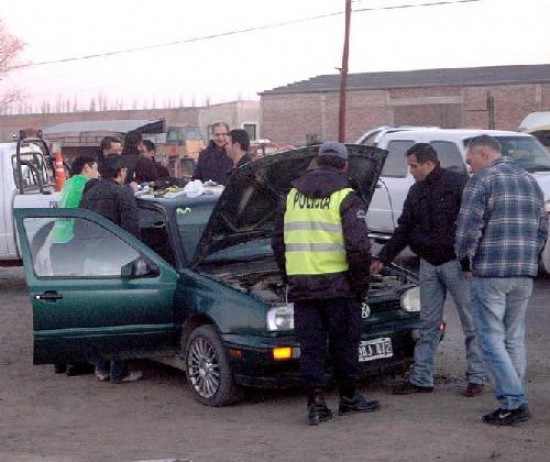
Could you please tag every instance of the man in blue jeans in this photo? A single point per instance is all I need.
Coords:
(501, 230)
(427, 225)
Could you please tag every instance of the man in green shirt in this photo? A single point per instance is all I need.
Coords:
(84, 167)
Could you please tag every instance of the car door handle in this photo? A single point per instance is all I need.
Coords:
(49, 295)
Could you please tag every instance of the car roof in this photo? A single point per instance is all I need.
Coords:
(454, 134)
(210, 194)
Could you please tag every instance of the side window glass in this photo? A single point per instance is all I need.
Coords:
(75, 247)
(449, 156)
(396, 162)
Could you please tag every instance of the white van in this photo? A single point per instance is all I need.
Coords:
(537, 124)
(450, 144)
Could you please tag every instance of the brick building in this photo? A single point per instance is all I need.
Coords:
(241, 114)
(482, 97)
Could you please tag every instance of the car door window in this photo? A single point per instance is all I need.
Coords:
(449, 156)
(87, 250)
(396, 162)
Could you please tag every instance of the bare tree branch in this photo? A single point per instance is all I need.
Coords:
(11, 48)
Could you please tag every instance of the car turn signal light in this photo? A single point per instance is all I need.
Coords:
(282, 353)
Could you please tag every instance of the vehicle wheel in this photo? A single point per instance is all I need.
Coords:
(208, 370)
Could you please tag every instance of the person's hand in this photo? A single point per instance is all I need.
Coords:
(376, 266)
(134, 186)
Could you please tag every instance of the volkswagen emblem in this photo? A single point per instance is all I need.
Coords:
(365, 310)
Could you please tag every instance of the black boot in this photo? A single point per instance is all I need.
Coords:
(317, 410)
(60, 368)
(357, 403)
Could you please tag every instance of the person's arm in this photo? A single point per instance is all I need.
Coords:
(198, 174)
(278, 238)
(356, 241)
(400, 237)
(470, 224)
(129, 219)
(543, 222)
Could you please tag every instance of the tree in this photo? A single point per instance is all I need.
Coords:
(11, 48)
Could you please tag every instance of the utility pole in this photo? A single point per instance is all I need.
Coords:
(344, 77)
(490, 110)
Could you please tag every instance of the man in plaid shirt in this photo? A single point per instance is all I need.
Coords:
(501, 230)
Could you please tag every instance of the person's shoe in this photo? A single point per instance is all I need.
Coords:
(102, 376)
(317, 409)
(408, 388)
(356, 404)
(502, 417)
(318, 413)
(131, 377)
(79, 369)
(473, 389)
(60, 368)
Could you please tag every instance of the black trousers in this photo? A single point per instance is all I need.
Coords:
(334, 324)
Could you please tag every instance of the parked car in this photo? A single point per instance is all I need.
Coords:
(537, 124)
(265, 147)
(201, 291)
(450, 144)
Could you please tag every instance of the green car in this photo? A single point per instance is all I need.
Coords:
(200, 290)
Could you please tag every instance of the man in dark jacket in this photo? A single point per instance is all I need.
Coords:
(214, 163)
(147, 168)
(427, 225)
(322, 248)
(111, 198)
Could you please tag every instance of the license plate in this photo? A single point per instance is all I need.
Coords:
(370, 350)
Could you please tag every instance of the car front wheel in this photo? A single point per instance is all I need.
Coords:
(208, 369)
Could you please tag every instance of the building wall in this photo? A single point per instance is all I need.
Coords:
(235, 113)
(290, 118)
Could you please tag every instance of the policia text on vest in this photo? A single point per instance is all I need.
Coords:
(314, 239)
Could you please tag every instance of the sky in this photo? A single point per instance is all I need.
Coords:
(224, 50)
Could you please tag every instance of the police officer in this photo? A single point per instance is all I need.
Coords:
(323, 251)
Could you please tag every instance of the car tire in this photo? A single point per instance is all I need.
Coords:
(208, 370)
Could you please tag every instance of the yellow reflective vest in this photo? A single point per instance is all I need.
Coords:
(314, 239)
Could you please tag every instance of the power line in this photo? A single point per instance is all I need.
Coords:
(236, 32)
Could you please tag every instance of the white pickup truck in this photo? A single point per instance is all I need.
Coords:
(394, 183)
(27, 175)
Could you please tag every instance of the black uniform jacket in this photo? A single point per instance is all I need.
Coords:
(428, 221)
(353, 283)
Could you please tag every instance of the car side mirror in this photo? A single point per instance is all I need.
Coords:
(139, 268)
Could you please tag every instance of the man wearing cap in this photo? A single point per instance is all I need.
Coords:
(322, 249)
(427, 225)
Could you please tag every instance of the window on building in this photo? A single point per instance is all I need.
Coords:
(251, 129)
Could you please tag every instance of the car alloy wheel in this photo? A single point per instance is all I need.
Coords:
(208, 369)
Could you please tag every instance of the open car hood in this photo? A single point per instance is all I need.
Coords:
(247, 207)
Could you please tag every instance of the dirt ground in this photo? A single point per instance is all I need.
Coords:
(54, 418)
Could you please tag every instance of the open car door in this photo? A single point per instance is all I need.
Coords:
(102, 293)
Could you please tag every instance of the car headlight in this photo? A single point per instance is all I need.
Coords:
(410, 300)
(280, 317)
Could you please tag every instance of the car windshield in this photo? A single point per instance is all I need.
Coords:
(528, 153)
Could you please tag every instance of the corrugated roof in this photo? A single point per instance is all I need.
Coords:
(108, 126)
(464, 76)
